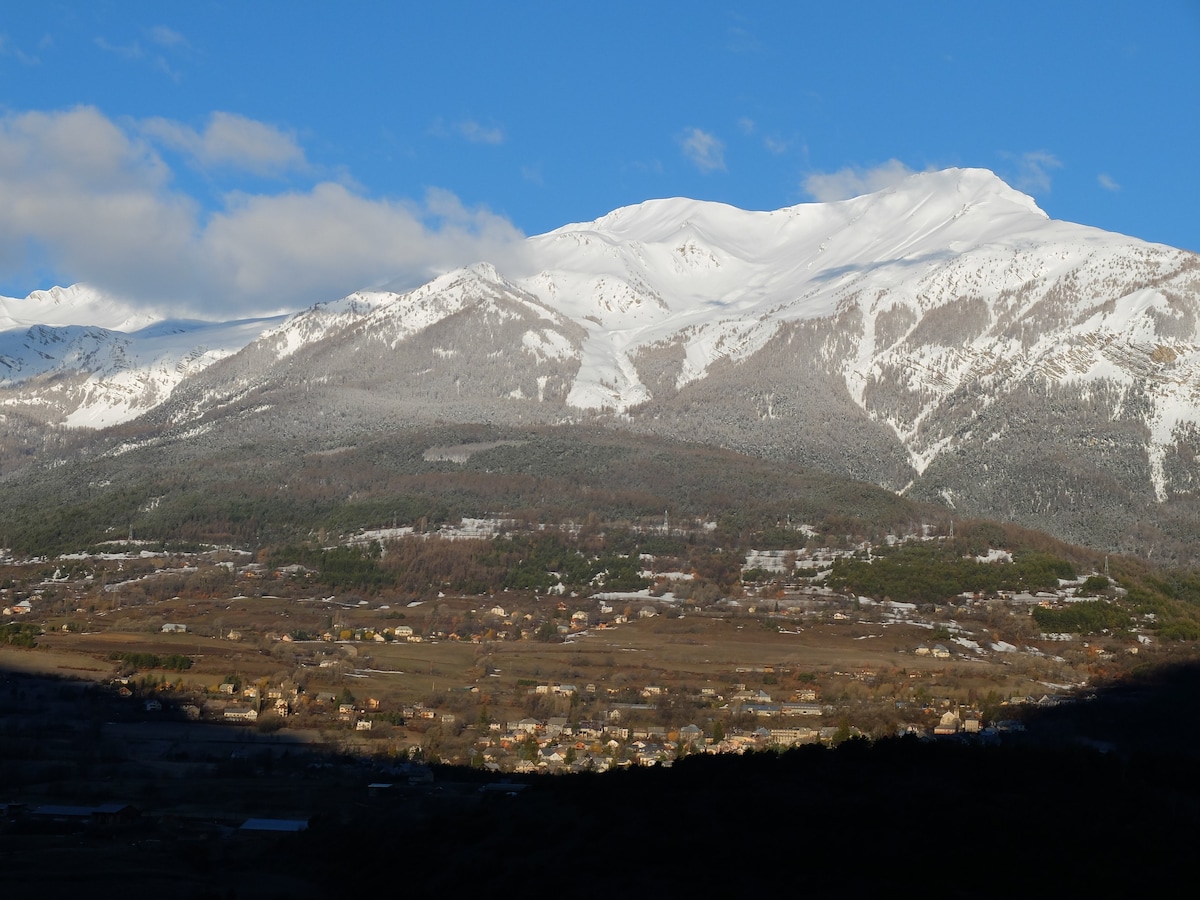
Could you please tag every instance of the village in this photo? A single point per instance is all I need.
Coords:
(644, 677)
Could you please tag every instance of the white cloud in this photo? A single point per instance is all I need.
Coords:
(705, 151)
(1108, 182)
(533, 174)
(7, 49)
(1033, 171)
(163, 66)
(480, 134)
(160, 35)
(125, 51)
(468, 129)
(775, 145)
(233, 141)
(643, 167)
(742, 40)
(95, 201)
(279, 245)
(746, 125)
(854, 181)
(166, 37)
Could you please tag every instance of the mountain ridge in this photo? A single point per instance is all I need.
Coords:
(933, 338)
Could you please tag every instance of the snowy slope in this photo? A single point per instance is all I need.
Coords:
(723, 278)
(401, 315)
(75, 305)
(76, 357)
(976, 284)
(973, 281)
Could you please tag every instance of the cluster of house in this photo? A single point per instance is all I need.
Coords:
(288, 699)
(243, 704)
(555, 745)
(937, 651)
(954, 722)
(496, 623)
(759, 703)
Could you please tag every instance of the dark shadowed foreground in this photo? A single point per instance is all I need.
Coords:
(1097, 797)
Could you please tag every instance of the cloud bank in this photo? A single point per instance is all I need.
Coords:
(230, 141)
(95, 201)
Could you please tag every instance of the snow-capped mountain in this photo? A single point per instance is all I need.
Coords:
(76, 357)
(942, 337)
(75, 305)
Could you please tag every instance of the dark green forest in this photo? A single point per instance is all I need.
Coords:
(935, 573)
(266, 493)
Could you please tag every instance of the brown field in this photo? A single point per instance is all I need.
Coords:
(64, 663)
(691, 651)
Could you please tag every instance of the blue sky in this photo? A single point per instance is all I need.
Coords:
(226, 157)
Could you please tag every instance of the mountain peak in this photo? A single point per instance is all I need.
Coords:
(969, 184)
(921, 200)
(78, 304)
